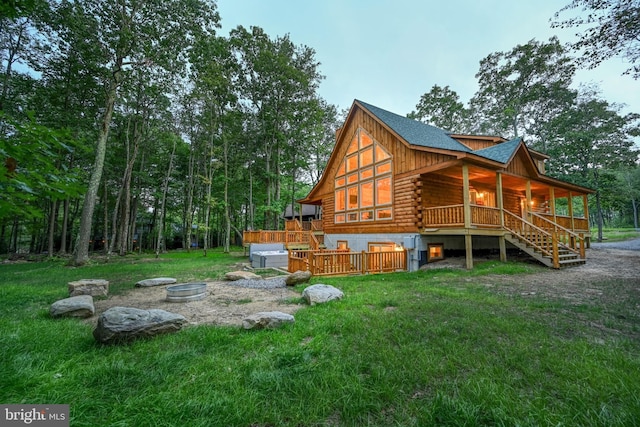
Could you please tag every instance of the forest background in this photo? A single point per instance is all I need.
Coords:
(131, 125)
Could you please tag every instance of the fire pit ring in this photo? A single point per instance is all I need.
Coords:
(186, 292)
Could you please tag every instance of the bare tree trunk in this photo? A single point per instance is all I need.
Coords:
(65, 225)
(53, 218)
(165, 189)
(86, 218)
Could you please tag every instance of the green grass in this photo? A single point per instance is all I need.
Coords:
(405, 349)
(616, 234)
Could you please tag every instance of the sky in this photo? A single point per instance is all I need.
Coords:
(390, 52)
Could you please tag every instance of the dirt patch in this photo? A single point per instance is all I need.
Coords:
(610, 276)
(225, 304)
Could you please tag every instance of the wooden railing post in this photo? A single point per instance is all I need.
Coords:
(583, 254)
(363, 262)
(312, 264)
(555, 252)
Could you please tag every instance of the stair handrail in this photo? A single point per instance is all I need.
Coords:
(542, 231)
(579, 239)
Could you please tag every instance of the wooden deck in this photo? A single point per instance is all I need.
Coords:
(331, 263)
(554, 240)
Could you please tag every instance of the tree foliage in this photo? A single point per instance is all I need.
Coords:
(441, 107)
(611, 28)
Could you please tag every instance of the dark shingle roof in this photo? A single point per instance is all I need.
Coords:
(501, 152)
(415, 132)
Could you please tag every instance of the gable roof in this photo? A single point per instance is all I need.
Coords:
(500, 152)
(415, 132)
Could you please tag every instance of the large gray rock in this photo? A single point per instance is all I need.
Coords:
(298, 277)
(267, 319)
(241, 275)
(124, 324)
(78, 306)
(93, 287)
(318, 294)
(158, 281)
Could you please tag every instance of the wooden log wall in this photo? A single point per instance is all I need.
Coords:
(439, 190)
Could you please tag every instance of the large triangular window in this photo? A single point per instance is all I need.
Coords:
(363, 183)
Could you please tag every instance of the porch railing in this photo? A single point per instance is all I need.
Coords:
(327, 263)
(573, 241)
(486, 216)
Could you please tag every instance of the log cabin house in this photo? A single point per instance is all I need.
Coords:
(396, 185)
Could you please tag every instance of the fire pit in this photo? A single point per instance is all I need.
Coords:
(186, 292)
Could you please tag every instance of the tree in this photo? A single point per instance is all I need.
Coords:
(133, 34)
(441, 107)
(277, 81)
(592, 140)
(629, 178)
(613, 30)
(522, 89)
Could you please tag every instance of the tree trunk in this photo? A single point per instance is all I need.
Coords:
(86, 218)
(165, 189)
(53, 218)
(65, 225)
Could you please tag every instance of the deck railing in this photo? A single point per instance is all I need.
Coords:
(443, 216)
(327, 263)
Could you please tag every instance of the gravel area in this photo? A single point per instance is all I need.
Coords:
(271, 283)
(627, 245)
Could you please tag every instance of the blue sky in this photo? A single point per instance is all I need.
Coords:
(390, 52)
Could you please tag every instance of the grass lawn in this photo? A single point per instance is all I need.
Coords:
(404, 349)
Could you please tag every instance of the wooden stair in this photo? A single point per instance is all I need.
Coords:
(566, 257)
(547, 242)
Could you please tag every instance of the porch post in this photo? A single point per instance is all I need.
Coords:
(552, 203)
(570, 210)
(466, 197)
(503, 246)
(528, 193)
(468, 245)
(585, 202)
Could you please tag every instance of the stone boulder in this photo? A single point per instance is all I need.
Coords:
(318, 294)
(298, 277)
(93, 287)
(124, 324)
(158, 281)
(78, 306)
(241, 275)
(267, 319)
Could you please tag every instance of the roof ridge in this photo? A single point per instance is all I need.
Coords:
(415, 132)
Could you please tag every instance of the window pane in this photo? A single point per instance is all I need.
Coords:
(366, 216)
(366, 173)
(340, 200)
(353, 147)
(383, 168)
(339, 218)
(352, 178)
(365, 139)
(383, 214)
(383, 191)
(366, 157)
(352, 163)
(366, 194)
(352, 197)
(352, 217)
(341, 169)
(340, 182)
(381, 153)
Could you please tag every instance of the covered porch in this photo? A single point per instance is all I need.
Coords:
(545, 217)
